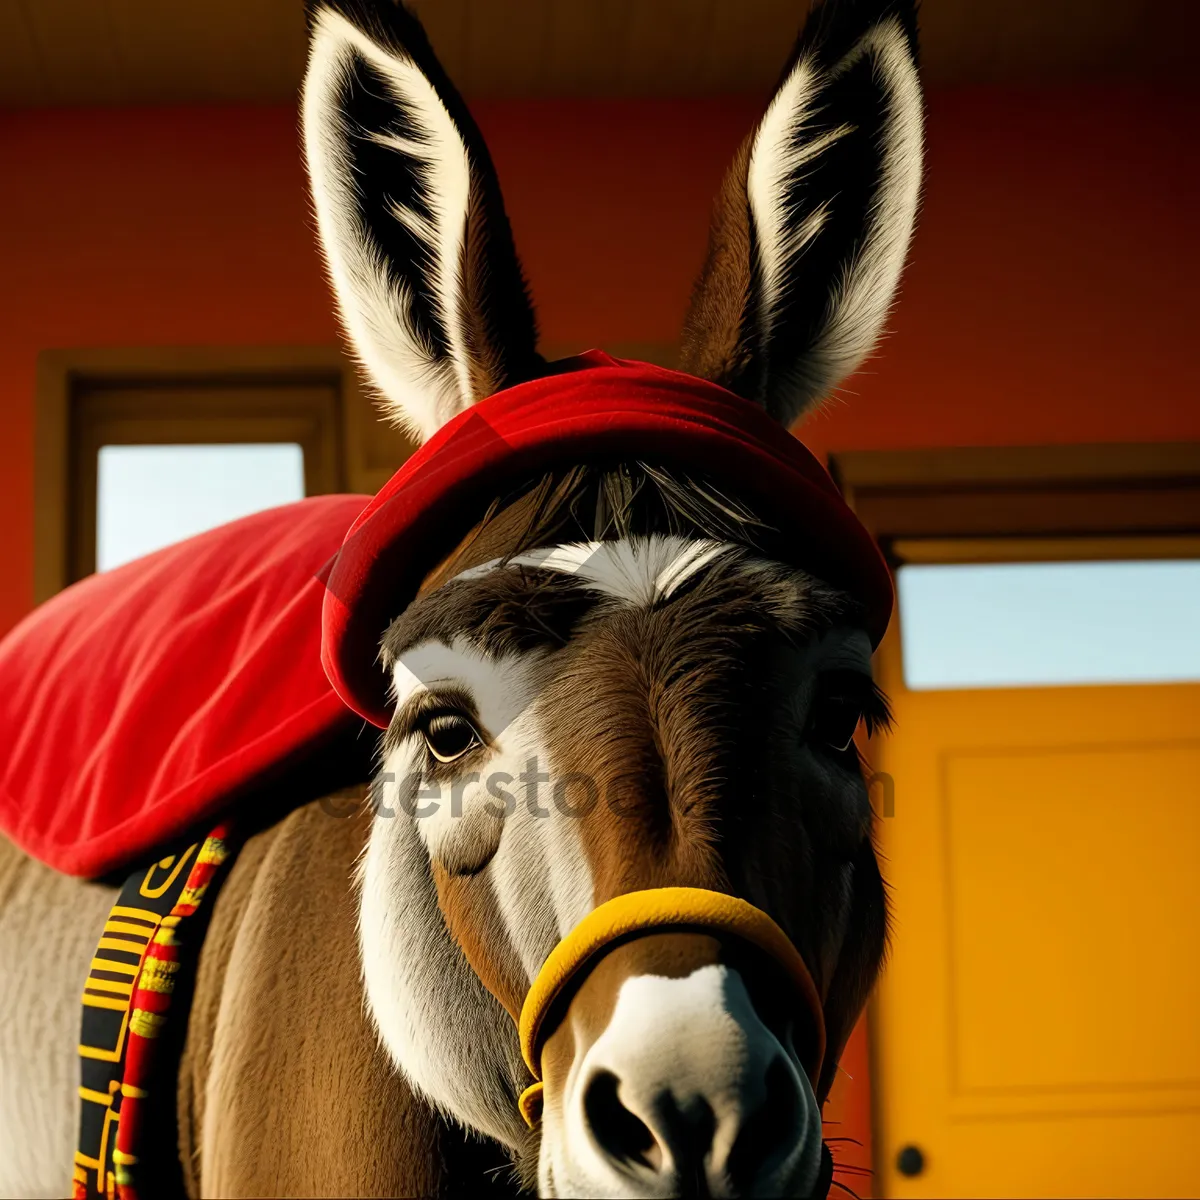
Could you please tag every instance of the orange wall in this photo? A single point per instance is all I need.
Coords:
(1051, 296)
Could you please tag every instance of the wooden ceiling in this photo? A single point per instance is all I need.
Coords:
(92, 52)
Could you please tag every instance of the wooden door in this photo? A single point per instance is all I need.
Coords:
(1037, 1031)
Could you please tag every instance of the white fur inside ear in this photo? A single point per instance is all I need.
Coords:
(860, 300)
(861, 303)
(423, 386)
(780, 154)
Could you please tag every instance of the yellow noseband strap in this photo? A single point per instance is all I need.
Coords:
(657, 910)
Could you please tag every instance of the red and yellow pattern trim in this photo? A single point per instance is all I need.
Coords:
(127, 1003)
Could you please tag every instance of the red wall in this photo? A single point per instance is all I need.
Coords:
(1051, 298)
(1051, 295)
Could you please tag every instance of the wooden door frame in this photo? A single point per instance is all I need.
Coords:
(64, 374)
(1104, 490)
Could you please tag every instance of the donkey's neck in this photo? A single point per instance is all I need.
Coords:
(283, 1087)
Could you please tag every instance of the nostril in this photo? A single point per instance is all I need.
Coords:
(622, 1135)
(769, 1134)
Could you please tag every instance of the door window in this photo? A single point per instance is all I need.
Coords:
(1038, 624)
(149, 496)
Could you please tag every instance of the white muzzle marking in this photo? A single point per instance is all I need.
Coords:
(685, 1083)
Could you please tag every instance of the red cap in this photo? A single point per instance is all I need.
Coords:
(599, 409)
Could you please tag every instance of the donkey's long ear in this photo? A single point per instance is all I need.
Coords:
(812, 224)
(411, 218)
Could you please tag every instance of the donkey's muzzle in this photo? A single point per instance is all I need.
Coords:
(690, 1086)
(657, 910)
(688, 1092)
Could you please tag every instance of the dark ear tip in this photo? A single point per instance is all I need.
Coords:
(393, 22)
(835, 21)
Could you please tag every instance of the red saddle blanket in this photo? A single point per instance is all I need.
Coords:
(137, 703)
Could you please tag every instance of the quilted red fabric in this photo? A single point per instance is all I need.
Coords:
(137, 702)
(595, 408)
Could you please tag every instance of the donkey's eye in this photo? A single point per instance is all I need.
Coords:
(449, 736)
(835, 721)
(843, 699)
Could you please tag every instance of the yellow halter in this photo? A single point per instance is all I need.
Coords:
(655, 910)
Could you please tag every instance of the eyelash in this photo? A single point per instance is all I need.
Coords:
(853, 695)
(463, 734)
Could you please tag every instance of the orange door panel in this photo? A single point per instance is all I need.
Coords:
(1036, 1031)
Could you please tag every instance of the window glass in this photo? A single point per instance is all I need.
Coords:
(150, 496)
(1047, 623)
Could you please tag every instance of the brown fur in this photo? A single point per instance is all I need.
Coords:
(684, 716)
(279, 1010)
(474, 923)
(639, 707)
(715, 343)
(49, 926)
(284, 1089)
(500, 339)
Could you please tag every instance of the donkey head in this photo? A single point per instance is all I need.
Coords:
(621, 679)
